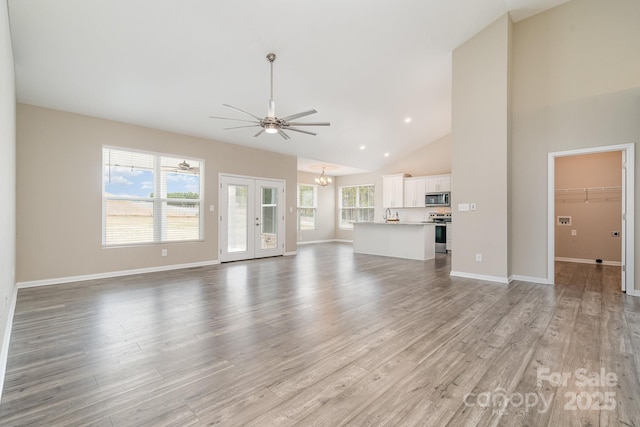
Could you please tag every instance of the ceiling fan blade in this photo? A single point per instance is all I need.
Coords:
(302, 131)
(284, 135)
(238, 127)
(295, 116)
(259, 133)
(229, 118)
(242, 111)
(309, 124)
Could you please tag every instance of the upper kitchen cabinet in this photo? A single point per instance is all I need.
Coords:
(438, 183)
(414, 191)
(393, 190)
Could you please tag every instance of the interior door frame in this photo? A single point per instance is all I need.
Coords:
(253, 202)
(628, 227)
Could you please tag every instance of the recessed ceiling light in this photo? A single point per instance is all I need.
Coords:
(362, 147)
(386, 154)
(407, 120)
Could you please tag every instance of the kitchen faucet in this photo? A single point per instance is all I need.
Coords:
(387, 214)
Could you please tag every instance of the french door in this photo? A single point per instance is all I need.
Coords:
(251, 218)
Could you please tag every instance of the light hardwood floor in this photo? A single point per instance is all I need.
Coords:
(325, 338)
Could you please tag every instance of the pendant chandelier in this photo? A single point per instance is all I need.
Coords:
(323, 180)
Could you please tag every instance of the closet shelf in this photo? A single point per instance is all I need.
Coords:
(588, 194)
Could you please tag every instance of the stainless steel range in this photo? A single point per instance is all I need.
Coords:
(441, 220)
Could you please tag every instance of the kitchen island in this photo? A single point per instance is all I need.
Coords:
(411, 240)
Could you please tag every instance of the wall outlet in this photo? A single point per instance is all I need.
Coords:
(615, 234)
(574, 232)
(479, 257)
(164, 252)
(472, 206)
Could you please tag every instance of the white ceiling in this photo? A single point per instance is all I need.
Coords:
(364, 65)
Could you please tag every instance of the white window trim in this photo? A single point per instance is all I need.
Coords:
(157, 201)
(314, 207)
(340, 207)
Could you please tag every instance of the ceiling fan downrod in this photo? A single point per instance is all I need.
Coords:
(271, 112)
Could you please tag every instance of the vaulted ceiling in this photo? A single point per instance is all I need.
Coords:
(365, 66)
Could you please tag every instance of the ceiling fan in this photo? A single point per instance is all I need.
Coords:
(183, 166)
(271, 123)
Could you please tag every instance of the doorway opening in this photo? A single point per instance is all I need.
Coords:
(251, 218)
(562, 202)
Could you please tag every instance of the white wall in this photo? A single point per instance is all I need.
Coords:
(7, 184)
(59, 177)
(325, 211)
(576, 84)
(480, 147)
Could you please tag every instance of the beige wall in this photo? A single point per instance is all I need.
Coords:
(593, 216)
(480, 149)
(325, 211)
(576, 84)
(59, 182)
(432, 159)
(7, 182)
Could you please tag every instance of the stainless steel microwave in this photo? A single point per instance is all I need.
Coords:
(437, 199)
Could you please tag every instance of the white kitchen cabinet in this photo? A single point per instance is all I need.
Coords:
(438, 183)
(393, 190)
(414, 191)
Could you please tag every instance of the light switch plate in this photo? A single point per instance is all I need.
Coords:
(463, 207)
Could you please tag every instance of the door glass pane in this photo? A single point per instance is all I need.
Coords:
(269, 227)
(237, 232)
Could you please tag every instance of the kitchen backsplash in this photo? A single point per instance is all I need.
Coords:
(416, 214)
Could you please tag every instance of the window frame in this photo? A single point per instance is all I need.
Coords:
(357, 207)
(159, 204)
(314, 208)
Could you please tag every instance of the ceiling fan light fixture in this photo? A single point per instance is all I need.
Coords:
(270, 128)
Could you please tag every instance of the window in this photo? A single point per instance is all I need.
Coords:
(357, 204)
(306, 207)
(150, 198)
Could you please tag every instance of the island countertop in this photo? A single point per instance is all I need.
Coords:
(411, 240)
(399, 223)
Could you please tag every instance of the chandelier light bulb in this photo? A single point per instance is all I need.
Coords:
(323, 180)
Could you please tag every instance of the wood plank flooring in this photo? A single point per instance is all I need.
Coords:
(326, 338)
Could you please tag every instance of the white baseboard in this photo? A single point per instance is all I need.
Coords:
(310, 242)
(291, 253)
(541, 280)
(4, 351)
(633, 292)
(589, 261)
(61, 280)
(480, 277)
